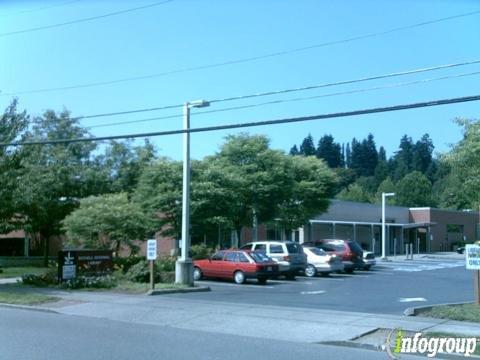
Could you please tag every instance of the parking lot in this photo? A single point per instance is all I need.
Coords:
(389, 287)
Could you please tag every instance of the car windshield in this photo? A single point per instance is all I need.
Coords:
(259, 257)
(294, 248)
(355, 247)
(333, 246)
(318, 251)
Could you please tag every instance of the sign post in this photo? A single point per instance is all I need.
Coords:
(151, 257)
(473, 263)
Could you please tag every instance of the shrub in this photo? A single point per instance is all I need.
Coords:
(166, 263)
(125, 263)
(95, 282)
(200, 252)
(140, 272)
(167, 277)
(49, 277)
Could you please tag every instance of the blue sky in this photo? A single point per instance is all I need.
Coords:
(182, 34)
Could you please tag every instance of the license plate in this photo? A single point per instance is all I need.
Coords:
(269, 268)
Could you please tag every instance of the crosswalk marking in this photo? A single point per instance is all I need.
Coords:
(418, 265)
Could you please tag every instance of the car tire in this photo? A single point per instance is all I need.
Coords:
(239, 277)
(290, 276)
(366, 268)
(348, 271)
(262, 280)
(197, 274)
(310, 271)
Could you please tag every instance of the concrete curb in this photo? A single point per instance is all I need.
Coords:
(417, 310)
(178, 291)
(28, 307)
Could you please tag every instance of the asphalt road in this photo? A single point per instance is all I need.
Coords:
(31, 335)
(385, 289)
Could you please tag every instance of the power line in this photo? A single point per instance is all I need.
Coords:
(274, 102)
(83, 19)
(239, 61)
(39, 9)
(285, 91)
(256, 123)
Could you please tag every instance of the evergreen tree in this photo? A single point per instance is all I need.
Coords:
(402, 162)
(307, 148)
(348, 157)
(422, 154)
(329, 151)
(294, 151)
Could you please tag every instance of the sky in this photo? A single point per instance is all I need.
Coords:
(185, 43)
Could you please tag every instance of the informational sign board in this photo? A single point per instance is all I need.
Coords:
(72, 263)
(472, 253)
(151, 249)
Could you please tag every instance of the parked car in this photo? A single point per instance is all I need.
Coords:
(349, 251)
(368, 260)
(238, 265)
(319, 262)
(287, 254)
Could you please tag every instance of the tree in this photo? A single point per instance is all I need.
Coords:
(354, 192)
(414, 190)
(386, 186)
(422, 154)
(464, 163)
(381, 170)
(12, 126)
(307, 148)
(294, 151)
(159, 191)
(107, 222)
(329, 151)
(402, 162)
(124, 164)
(52, 177)
(312, 185)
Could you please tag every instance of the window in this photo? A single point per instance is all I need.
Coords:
(218, 256)
(261, 248)
(259, 257)
(243, 258)
(232, 257)
(276, 249)
(294, 249)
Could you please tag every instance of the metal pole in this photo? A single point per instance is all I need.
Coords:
(184, 264)
(395, 247)
(476, 278)
(406, 251)
(152, 276)
(383, 227)
(411, 251)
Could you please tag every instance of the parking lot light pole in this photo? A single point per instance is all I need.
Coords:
(184, 266)
(384, 253)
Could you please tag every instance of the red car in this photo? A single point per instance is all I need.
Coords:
(238, 265)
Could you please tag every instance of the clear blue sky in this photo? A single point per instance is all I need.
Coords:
(189, 33)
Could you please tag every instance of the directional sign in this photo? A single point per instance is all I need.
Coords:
(151, 249)
(472, 257)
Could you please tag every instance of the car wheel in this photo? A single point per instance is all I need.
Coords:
(262, 280)
(310, 271)
(349, 271)
(239, 277)
(290, 276)
(197, 274)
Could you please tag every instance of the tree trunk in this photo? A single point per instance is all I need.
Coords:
(46, 249)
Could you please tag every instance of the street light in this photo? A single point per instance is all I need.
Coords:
(183, 266)
(384, 195)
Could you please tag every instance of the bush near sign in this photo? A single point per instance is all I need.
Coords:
(72, 263)
(472, 253)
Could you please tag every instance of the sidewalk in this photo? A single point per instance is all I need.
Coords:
(260, 321)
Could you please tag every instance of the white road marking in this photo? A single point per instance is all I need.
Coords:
(417, 299)
(316, 292)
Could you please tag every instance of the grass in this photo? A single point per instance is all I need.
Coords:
(464, 312)
(22, 298)
(138, 288)
(12, 272)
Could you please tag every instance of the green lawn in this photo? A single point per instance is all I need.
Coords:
(464, 312)
(23, 298)
(12, 272)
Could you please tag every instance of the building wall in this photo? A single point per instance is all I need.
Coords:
(443, 237)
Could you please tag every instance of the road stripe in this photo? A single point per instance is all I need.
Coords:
(214, 283)
(315, 292)
(416, 299)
